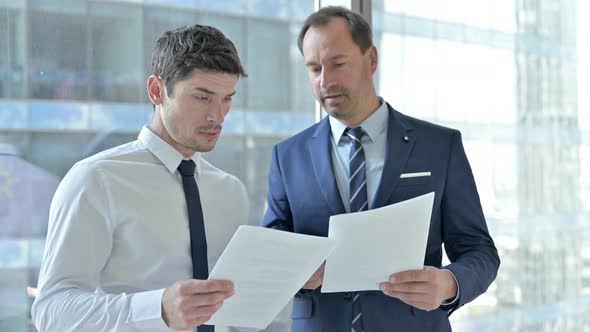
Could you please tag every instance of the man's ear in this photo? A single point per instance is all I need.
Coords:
(156, 89)
(373, 58)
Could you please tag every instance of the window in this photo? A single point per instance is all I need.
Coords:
(504, 73)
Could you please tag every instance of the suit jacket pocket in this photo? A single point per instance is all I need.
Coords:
(302, 307)
(414, 180)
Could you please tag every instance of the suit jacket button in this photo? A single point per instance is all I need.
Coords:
(347, 296)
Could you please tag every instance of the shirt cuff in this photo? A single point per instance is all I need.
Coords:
(146, 310)
(447, 303)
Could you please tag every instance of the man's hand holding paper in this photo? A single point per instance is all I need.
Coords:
(424, 289)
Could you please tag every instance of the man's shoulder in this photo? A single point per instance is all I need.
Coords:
(218, 175)
(117, 153)
(132, 151)
(94, 171)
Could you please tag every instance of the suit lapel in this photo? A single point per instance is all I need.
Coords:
(321, 155)
(396, 155)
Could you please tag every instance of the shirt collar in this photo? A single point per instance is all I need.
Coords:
(164, 152)
(373, 126)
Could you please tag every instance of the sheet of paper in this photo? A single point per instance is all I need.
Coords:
(373, 244)
(267, 267)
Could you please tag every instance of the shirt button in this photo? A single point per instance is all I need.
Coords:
(347, 296)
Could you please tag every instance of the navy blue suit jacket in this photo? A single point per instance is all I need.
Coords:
(303, 194)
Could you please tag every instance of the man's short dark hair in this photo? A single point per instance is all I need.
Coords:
(203, 47)
(359, 28)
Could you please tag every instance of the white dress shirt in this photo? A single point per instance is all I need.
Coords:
(119, 235)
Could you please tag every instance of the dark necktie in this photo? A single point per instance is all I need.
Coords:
(357, 182)
(196, 226)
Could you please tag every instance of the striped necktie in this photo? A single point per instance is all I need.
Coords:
(357, 183)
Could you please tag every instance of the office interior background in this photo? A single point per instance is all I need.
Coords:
(512, 75)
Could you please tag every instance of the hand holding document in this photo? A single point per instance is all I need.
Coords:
(373, 244)
(267, 267)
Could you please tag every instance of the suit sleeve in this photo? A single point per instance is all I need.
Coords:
(468, 244)
(278, 214)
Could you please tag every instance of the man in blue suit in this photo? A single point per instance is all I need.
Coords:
(366, 155)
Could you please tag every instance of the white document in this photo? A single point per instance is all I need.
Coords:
(373, 244)
(267, 267)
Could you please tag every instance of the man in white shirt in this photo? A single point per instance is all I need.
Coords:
(119, 253)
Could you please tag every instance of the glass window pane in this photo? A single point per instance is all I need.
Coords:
(12, 50)
(116, 76)
(505, 74)
(268, 56)
(59, 61)
(13, 114)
